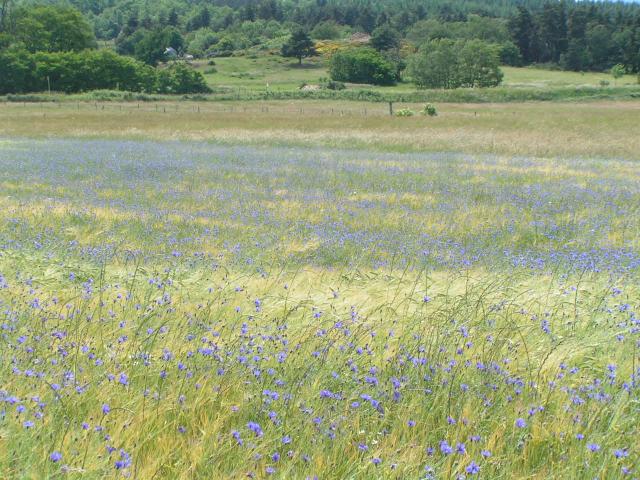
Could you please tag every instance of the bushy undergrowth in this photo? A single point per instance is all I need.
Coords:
(493, 95)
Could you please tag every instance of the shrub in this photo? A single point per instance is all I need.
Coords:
(91, 70)
(72, 72)
(405, 112)
(429, 110)
(510, 54)
(328, 30)
(329, 84)
(618, 71)
(333, 85)
(362, 65)
(180, 78)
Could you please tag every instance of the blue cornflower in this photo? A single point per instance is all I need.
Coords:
(473, 468)
(621, 453)
(56, 456)
(521, 423)
(235, 434)
(255, 428)
(445, 448)
(124, 461)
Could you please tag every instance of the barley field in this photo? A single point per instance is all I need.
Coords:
(186, 308)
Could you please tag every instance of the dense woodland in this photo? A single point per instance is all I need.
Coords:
(416, 34)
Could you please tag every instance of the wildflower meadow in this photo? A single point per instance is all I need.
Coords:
(187, 310)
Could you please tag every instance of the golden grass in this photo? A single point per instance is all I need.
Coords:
(594, 129)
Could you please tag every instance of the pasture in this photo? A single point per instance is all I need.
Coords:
(303, 290)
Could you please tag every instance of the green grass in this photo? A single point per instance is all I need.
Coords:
(536, 77)
(254, 74)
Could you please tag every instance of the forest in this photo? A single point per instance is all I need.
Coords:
(408, 39)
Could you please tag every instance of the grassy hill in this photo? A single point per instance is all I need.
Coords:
(262, 72)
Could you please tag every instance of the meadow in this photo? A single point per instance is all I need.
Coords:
(595, 129)
(303, 290)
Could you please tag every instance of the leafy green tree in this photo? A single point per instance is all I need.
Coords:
(510, 54)
(362, 65)
(69, 72)
(478, 64)
(452, 64)
(366, 20)
(385, 38)
(17, 69)
(50, 28)
(299, 46)
(90, 70)
(426, 30)
(326, 31)
(152, 45)
(201, 19)
(435, 65)
(201, 40)
(126, 44)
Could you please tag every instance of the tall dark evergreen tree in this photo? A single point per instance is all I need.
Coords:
(299, 46)
(523, 31)
(172, 20)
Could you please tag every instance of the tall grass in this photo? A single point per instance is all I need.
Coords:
(462, 95)
(185, 310)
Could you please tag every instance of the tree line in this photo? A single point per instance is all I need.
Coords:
(436, 44)
(54, 48)
(575, 35)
